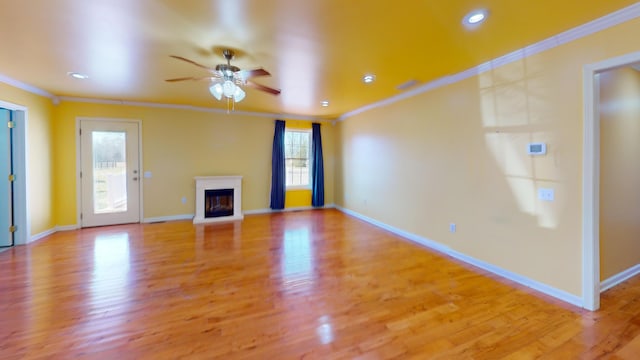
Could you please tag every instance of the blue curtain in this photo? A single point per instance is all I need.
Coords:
(278, 180)
(317, 169)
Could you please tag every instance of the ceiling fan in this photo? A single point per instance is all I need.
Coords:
(227, 80)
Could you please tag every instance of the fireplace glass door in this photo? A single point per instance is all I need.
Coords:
(218, 202)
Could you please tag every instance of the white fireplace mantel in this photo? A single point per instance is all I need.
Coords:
(217, 183)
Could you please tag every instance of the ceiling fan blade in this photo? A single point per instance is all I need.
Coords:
(191, 78)
(263, 88)
(194, 63)
(247, 74)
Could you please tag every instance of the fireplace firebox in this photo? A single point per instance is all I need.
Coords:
(218, 202)
(218, 198)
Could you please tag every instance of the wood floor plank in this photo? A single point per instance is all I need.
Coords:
(299, 285)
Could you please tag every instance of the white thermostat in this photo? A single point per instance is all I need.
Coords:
(536, 148)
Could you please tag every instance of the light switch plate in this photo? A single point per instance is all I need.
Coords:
(545, 194)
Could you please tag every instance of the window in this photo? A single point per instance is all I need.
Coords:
(297, 149)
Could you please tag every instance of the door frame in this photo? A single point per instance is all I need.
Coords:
(20, 168)
(79, 163)
(591, 177)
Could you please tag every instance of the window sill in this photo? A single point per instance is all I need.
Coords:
(300, 187)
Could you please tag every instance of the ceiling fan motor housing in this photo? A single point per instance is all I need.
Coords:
(227, 69)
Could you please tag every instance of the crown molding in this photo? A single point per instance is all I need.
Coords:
(615, 18)
(57, 99)
(193, 108)
(26, 87)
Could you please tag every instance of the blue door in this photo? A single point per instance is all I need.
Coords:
(6, 183)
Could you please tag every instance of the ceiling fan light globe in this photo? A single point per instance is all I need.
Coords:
(238, 95)
(228, 88)
(216, 91)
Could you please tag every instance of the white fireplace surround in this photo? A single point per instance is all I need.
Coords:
(218, 183)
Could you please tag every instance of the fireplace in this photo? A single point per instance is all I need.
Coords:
(218, 202)
(218, 198)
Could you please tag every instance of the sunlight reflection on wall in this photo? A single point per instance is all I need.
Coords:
(507, 95)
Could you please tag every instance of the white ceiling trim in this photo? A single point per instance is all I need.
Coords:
(26, 87)
(56, 99)
(192, 108)
(618, 17)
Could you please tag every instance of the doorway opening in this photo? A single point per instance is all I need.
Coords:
(591, 282)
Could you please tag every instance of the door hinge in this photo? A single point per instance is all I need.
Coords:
(13, 228)
(80, 216)
(80, 174)
(11, 124)
(12, 177)
(80, 132)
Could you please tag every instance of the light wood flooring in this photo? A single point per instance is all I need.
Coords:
(300, 285)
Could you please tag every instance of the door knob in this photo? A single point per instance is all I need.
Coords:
(135, 178)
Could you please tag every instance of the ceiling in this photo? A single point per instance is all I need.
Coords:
(315, 50)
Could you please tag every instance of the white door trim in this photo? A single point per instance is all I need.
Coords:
(79, 163)
(591, 177)
(20, 167)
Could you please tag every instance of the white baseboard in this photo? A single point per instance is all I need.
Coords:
(67, 227)
(41, 235)
(257, 211)
(445, 250)
(168, 218)
(46, 233)
(300, 208)
(522, 280)
(409, 236)
(619, 278)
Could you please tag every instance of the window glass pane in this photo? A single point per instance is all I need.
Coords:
(287, 145)
(109, 172)
(297, 157)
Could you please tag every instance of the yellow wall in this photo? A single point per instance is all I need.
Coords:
(177, 146)
(458, 154)
(297, 198)
(619, 171)
(39, 156)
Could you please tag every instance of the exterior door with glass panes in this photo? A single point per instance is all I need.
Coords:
(110, 173)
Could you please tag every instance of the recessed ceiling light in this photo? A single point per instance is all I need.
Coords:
(475, 17)
(369, 78)
(76, 75)
(324, 103)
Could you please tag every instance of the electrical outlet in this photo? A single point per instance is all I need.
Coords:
(452, 227)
